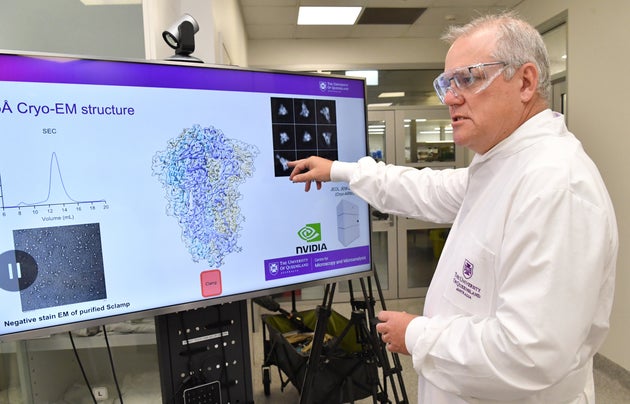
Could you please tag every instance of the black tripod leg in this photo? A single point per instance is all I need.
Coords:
(313, 363)
(388, 370)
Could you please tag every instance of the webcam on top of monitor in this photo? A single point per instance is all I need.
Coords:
(181, 37)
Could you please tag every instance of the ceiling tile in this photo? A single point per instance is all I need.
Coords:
(465, 3)
(426, 31)
(390, 15)
(380, 31)
(332, 3)
(270, 15)
(323, 31)
(265, 19)
(447, 16)
(398, 3)
(269, 2)
(271, 31)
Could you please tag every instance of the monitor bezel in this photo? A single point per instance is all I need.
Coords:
(47, 331)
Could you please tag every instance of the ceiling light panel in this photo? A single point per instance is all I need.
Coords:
(392, 94)
(370, 76)
(328, 15)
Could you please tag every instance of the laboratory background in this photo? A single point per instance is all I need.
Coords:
(399, 56)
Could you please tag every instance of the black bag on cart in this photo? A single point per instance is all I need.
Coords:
(344, 372)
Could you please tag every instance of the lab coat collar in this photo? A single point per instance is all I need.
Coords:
(543, 124)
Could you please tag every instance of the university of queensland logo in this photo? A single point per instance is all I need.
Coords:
(467, 269)
(312, 234)
(323, 86)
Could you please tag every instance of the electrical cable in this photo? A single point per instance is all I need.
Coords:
(184, 331)
(224, 365)
(189, 354)
(111, 364)
(76, 355)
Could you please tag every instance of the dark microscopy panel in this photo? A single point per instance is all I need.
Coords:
(70, 265)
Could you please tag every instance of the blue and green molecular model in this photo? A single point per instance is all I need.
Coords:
(201, 171)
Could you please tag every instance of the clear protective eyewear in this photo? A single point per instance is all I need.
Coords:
(466, 78)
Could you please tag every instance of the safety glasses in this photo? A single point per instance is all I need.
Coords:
(473, 78)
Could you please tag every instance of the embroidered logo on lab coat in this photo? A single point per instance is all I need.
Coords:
(472, 280)
(462, 283)
(467, 270)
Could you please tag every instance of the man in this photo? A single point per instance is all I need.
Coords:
(521, 297)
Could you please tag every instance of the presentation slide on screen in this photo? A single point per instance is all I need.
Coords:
(126, 198)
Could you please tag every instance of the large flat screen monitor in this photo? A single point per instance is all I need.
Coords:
(130, 188)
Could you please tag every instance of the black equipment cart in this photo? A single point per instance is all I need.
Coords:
(330, 358)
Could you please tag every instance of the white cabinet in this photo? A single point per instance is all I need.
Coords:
(405, 251)
(418, 137)
(45, 370)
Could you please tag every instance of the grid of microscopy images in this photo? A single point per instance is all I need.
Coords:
(301, 128)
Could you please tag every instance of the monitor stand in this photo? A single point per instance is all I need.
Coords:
(204, 355)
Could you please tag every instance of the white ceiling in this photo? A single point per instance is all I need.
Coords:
(276, 19)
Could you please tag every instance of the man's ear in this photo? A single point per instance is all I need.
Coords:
(529, 84)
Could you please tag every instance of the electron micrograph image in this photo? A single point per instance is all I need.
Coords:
(327, 154)
(70, 265)
(304, 111)
(201, 171)
(281, 160)
(282, 110)
(302, 128)
(327, 137)
(306, 137)
(284, 137)
(326, 112)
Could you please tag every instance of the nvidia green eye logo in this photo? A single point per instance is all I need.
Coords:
(311, 232)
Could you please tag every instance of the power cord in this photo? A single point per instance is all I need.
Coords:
(189, 354)
(111, 364)
(76, 355)
(224, 365)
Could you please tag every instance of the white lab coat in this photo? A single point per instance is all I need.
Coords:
(521, 297)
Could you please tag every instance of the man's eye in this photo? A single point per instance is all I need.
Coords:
(444, 81)
(463, 80)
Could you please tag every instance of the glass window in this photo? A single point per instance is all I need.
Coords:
(556, 42)
(424, 247)
(428, 141)
(402, 88)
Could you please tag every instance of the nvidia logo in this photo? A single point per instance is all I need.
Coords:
(311, 232)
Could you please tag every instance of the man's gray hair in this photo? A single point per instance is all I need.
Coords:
(517, 43)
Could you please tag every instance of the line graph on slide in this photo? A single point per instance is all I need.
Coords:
(57, 195)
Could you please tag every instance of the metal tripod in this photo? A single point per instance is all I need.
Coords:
(374, 352)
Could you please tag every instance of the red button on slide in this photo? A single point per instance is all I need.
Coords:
(211, 283)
